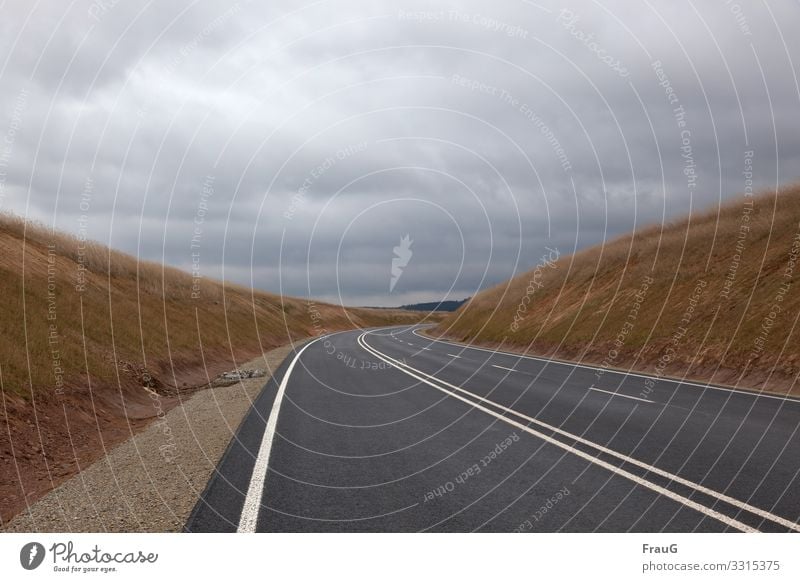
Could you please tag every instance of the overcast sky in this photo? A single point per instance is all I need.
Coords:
(292, 146)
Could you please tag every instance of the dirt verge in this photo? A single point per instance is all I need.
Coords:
(148, 482)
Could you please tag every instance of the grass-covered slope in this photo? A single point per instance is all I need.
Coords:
(71, 311)
(713, 296)
(94, 345)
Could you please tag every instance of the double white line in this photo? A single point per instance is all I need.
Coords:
(454, 392)
(252, 504)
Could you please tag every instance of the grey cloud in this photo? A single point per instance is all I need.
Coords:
(473, 109)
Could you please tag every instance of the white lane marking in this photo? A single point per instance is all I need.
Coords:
(590, 388)
(453, 356)
(252, 502)
(622, 395)
(424, 348)
(653, 469)
(509, 369)
(409, 343)
(618, 372)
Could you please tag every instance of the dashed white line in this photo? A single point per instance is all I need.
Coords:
(504, 368)
(590, 388)
(453, 356)
(786, 399)
(622, 395)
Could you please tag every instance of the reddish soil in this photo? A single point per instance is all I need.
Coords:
(49, 439)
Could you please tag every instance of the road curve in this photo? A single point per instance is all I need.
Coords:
(388, 430)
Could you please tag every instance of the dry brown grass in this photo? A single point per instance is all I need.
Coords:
(133, 312)
(585, 301)
(135, 323)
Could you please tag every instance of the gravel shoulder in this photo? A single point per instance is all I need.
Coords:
(151, 482)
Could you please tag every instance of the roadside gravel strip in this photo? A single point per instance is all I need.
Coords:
(151, 482)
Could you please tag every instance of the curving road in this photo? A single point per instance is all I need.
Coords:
(387, 430)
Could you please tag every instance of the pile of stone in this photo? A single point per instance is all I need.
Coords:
(227, 378)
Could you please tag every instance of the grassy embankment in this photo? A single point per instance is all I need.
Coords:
(713, 296)
(70, 313)
(83, 328)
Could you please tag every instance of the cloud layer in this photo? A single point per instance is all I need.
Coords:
(292, 147)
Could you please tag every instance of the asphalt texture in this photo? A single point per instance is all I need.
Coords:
(387, 430)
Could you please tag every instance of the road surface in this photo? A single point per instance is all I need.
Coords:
(387, 430)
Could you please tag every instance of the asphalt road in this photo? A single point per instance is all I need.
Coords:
(387, 430)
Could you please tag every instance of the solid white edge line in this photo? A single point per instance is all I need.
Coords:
(612, 371)
(680, 480)
(255, 491)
